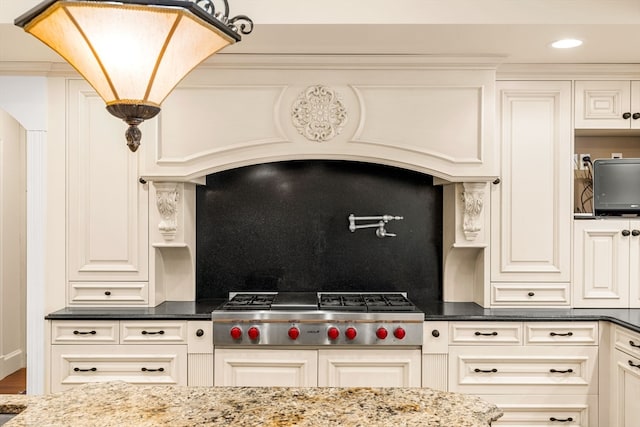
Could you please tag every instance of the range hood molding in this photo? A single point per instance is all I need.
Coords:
(401, 112)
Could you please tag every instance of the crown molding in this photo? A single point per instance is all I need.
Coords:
(568, 72)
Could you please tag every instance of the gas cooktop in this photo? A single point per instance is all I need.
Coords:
(309, 318)
(305, 301)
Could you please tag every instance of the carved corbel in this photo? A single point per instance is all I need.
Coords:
(473, 203)
(167, 201)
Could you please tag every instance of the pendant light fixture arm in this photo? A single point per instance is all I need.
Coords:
(245, 26)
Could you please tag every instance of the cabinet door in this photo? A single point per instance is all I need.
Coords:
(525, 410)
(147, 364)
(625, 389)
(531, 206)
(369, 368)
(265, 368)
(107, 206)
(531, 370)
(602, 104)
(601, 263)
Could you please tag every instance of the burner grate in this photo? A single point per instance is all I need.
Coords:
(342, 302)
(366, 302)
(249, 302)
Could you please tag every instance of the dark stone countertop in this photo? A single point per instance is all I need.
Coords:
(447, 311)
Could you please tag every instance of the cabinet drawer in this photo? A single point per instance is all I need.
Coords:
(94, 332)
(485, 333)
(627, 341)
(78, 364)
(529, 294)
(543, 411)
(510, 370)
(561, 333)
(108, 293)
(153, 332)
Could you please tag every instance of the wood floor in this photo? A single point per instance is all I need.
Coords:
(15, 383)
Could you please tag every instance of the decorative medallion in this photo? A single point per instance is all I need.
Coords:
(318, 113)
(167, 199)
(473, 202)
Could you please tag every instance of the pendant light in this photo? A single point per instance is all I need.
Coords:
(134, 52)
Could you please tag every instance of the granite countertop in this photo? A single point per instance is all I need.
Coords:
(120, 404)
(201, 310)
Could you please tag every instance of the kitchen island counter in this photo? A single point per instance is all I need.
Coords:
(121, 404)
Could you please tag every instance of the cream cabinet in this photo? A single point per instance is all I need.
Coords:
(200, 353)
(369, 368)
(606, 263)
(546, 411)
(539, 373)
(137, 351)
(607, 104)
(625, 379)
(107, 208)
(266, 368)
(276, 367)
(531, 202)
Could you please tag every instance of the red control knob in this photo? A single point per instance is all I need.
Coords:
(294, 333)
(351, 333)
(333, 333)
(253, 333)
(399, 333)
(382, 333)
(236, 333)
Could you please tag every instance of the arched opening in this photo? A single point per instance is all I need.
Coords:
(13, 282)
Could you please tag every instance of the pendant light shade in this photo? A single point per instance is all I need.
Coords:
(134, 52)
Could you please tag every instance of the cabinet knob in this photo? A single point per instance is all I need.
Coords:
(625, 233)
(107, 293)
(199, 333)
(626, 116)
(142, 181)
(531, 294)
(635, 116)
(496, 181)
(635, 232)
(435, 333)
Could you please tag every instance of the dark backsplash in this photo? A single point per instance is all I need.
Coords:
(284, 227)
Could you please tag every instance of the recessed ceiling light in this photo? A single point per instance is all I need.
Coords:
(566, 43)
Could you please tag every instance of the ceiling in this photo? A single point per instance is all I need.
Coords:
(512, 31)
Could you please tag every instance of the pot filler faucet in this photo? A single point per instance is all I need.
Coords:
(381, 221)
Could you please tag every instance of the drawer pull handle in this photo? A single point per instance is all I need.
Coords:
(486, 334)
(84, 333)
(633, 364)
(152, 370)
(561, 420)
(632, 344)
(153, 333)
(556, 334)
(85, 370)
(485, 371)
(560, 371)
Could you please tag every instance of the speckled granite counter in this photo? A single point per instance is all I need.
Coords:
(119, 404)
(13, 403)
